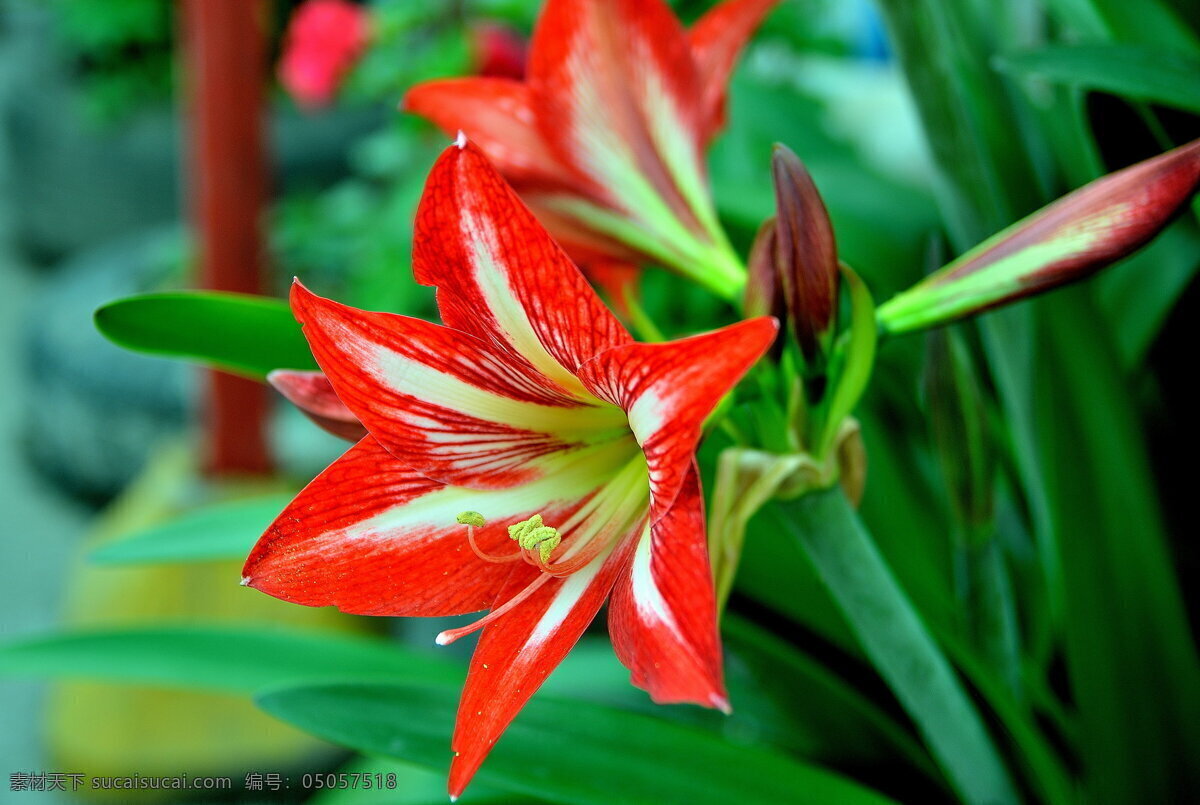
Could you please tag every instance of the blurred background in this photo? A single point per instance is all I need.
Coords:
(98, 201)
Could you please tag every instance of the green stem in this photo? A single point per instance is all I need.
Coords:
(898, 643)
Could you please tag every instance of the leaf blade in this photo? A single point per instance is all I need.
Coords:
(247, 335)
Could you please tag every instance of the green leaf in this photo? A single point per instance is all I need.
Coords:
(1138, 294)
(1132, 71)
(224, 530)
(899, 644)
(240, 659)
(248, 335)
(831, 721)
(564, 750)
(414, 785)
(1134, 673)
(1153, 23)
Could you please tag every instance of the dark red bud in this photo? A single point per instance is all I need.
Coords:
(805, 252)
(764, 294)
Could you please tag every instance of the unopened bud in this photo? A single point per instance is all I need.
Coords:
(1072, 238)
(805, 254)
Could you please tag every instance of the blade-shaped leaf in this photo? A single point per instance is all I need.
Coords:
(224, 530)
(1130, 654)
(899, 644)
(1136, 72)
(248, 335)
(565, 750)
(236, 659)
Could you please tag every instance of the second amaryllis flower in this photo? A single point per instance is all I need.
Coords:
(605, 138)
(531, 400)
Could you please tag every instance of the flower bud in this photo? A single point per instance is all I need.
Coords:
(805, 254)
(764, 295)
(1069, 240)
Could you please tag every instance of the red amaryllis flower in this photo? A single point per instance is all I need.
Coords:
(324, 40)
(530, 400)
(605, 138)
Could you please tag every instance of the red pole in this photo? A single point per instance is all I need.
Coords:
(225, 59)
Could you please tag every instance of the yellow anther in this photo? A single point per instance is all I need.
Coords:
(533, 533)
(472, 519)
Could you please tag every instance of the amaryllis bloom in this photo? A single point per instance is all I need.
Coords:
(530, 400)
(605, 138)
(324, 40)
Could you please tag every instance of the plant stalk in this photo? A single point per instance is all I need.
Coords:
(899, 644)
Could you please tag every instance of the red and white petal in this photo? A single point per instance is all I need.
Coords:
(313, 394)
(496, 115)
(717, 39)
(518, 651)
(500, 276)
(372, 537)
(663, 616)
(616, 95)
(669, 389)
(445, 403)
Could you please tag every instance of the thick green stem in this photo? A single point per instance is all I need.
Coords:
(898, 643)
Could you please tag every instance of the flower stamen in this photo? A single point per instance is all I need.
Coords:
(450, 635)
(473, 520)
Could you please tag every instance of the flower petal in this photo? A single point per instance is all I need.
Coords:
(499, 274)
(496, 114)
(516, 653)
(372, 537)
(313, 394)
(663, 616)
(717, 39)
(445, 403)
(669, 389)
(615, 93)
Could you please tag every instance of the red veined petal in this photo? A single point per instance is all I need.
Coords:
(313, 394)
(663, 614)
(668, 389)
(500, 276)
(516, 653)
(496, 115)
(717, 39)
(616, 95)
(445, 403)
(372, 537)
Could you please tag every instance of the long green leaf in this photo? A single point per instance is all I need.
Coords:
(565, 750)
(224, 530)
(249, 335)
(899, 644)
(240, 659)
(1130, 656)
(1136, 72)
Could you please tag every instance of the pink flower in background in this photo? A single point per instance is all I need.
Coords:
(324, 40)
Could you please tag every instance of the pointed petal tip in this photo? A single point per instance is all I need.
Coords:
(721, 703)
(454, 797)
(245, 582)
(460, 140)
